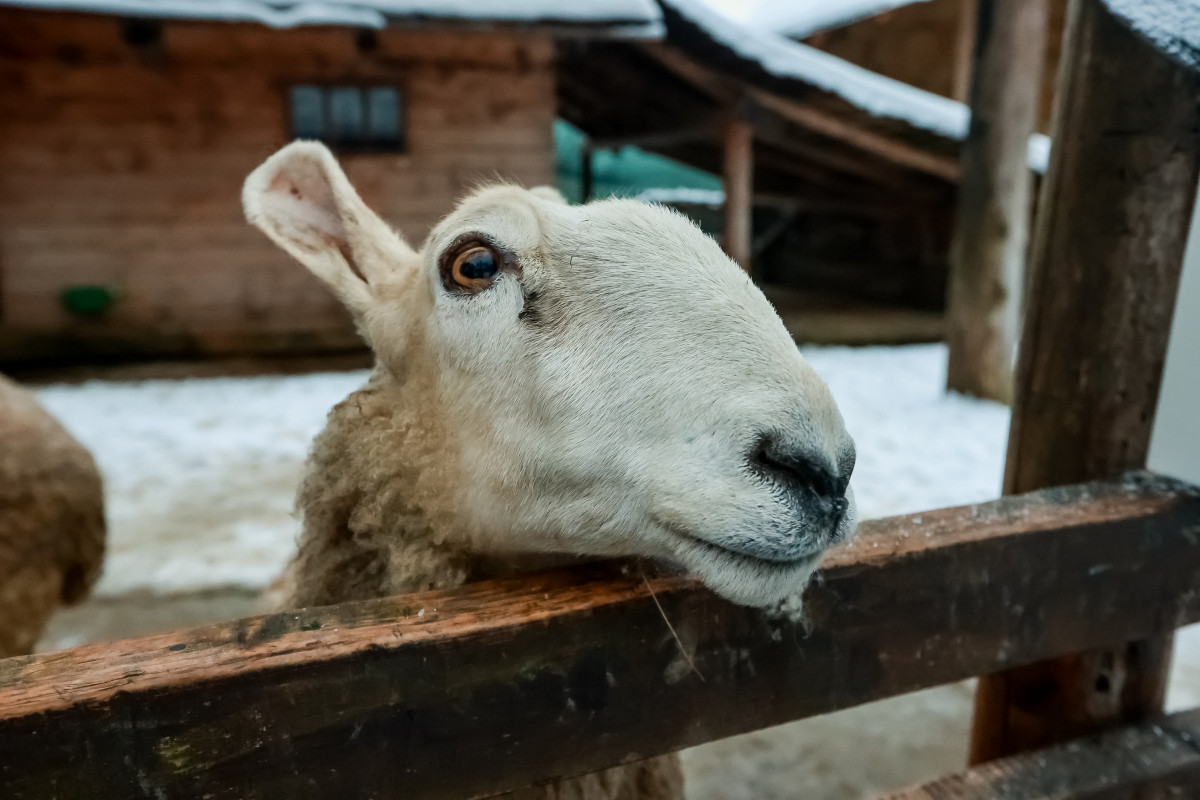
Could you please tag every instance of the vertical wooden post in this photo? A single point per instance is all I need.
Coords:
(586, 175)
(1105, 265)
(987, 254)
(964, 49)
(738, 175)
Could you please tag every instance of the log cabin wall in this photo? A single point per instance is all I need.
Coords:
(123, 147)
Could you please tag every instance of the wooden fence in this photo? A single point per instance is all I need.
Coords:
(567, 672)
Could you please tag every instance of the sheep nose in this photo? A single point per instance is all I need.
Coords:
(806, 476)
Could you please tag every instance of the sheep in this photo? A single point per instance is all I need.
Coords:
(553, 381)
(52, 530)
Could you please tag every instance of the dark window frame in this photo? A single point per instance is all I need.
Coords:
(393, 140)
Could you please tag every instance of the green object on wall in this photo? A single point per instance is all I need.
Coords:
(88, 301)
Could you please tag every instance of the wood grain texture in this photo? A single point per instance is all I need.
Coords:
(1156, 760)
(122, 166)
(567, 672)
(1106, 258)
(1103, 275)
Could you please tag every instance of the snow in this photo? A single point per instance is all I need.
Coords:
(802, 18)
(919, 447)
(635, 17)
(683, 194)
(201, 473)
(1172, 25)
(875, 94)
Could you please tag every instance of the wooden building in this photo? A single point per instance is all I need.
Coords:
(839, 180)
(124, 140)
(924, 43)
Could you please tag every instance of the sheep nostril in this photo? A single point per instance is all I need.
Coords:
(804, 475)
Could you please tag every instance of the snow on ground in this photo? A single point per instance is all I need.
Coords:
(201, 473)
(918, 447)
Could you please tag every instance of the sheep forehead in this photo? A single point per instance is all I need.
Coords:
(609, 252)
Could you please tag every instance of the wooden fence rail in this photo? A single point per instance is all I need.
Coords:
(503, 684)
(1158, 759)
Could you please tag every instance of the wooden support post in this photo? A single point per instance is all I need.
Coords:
(586, 175)
(1105, 268)
(964, 49)
(991, 231)
(738, 173)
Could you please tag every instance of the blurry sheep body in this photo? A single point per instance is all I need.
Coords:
(51, 519)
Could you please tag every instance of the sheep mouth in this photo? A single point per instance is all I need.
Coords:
(737, 557)
(706, 550)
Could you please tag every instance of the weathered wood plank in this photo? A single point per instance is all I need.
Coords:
(567, 672)
(1103, 275)
(1156, 759)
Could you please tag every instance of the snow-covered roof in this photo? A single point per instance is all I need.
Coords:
(877, 95)
(799, 19)
(634, 18)
(1172, 25)
(683, 195)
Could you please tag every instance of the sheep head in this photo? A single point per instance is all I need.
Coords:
(611, 383)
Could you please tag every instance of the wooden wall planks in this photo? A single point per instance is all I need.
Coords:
(123, 166)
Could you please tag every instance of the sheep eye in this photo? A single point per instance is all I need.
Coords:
(475, 269)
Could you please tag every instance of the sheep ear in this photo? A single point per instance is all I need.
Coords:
(302, 200)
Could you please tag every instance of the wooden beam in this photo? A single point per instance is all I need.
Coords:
(787, 218)
(724, 91)
(663, 138)
(798, 143)
(553, 674)
(886, 147)
(1156, 759)
(1104, 270)
(737, 173)
(987, 254)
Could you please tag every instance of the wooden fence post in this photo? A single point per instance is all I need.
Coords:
(1106, 260)
(987, 256)
(738, 171)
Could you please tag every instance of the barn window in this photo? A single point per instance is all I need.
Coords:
(366, 118)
